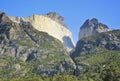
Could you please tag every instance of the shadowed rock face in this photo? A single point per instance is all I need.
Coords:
(67, 42)
(91, 27)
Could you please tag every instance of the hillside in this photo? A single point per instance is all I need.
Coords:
(97, 57)
(100, 66)
(106, 40)
(28, 54)
(25, 51)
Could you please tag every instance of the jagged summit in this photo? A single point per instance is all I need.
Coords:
(3, 17)
(1, 12)
(52, 23)
(91, 27)
(56, 17)
(93, 23)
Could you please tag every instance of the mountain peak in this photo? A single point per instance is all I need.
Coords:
(51, 23)
(91, 27)
(94, 21)
(56, 17)
(1, 12)
(3, 17)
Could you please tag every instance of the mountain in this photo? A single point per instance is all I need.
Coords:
(28, 53)
(106, 40)
(51, 23)
(25, 51)
(91, 27)
(97, 57)
(56, 17)
(97, 52)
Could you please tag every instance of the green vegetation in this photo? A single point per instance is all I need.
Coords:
(24, 43)
(96, 36)
(53, 78)
(101, 66)
(100, 57)
(110, 72)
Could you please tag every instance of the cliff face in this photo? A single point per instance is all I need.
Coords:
(24, 51)
(91, 27)
(56, 17)
(52, 24)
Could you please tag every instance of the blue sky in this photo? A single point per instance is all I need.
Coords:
(75, 12)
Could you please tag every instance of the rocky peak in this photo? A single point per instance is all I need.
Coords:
(91, 27)
(50, 24)
(106, 40)
(94, 21)
(56, 17)
(89, 23)
(1, 12)
(3, 17)
(49, 53)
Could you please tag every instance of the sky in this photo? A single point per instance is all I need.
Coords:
(75, 12)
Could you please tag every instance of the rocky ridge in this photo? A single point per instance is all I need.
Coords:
(106, 40)
(25, 50)
(51, 23)
(91, 27)
(56, 17)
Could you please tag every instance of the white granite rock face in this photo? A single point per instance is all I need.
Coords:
(91, 27)
(46, 24)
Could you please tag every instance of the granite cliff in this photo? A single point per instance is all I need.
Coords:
(25, 51)
(51, 23)
(91, 27)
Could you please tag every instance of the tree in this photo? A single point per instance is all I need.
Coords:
(111, 72)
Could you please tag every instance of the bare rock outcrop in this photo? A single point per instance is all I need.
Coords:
(21, 43)
(51, 23)
(91, 27)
